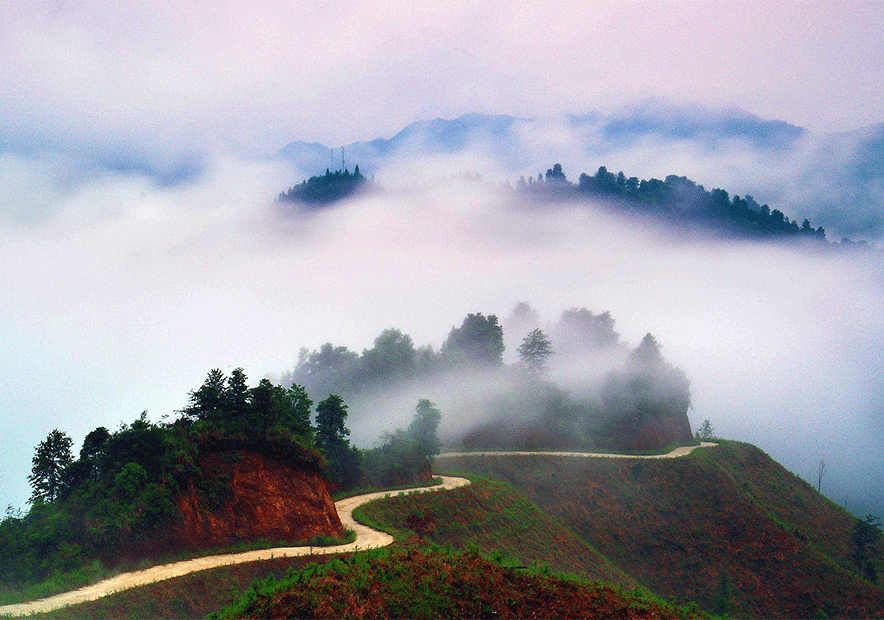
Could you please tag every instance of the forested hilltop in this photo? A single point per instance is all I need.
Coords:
(574, 384)
(236, 466)
(676, 200)
(326, 189)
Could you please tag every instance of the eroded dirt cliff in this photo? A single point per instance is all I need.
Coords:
(247, 496)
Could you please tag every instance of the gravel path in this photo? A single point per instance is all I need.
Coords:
(366, 538)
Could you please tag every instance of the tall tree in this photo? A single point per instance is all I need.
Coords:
(236, 396)
(424, 427)
(535, 351)
(392, 358)
(866, 534)
(51, 457)
(207, 402)
(579, 330)
(300, 407)
(331, 437)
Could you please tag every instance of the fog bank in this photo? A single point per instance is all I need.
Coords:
(123, 293)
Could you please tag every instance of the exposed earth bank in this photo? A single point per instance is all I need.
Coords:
(254, 496)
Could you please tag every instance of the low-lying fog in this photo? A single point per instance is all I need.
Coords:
(120, 296)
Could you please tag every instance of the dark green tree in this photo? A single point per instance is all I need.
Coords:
(331, 437)
(93, 444)
(329, 370)
(405, 456)
(392, 358)
(535, 351)
(51, 457)
(266, 406)
(91, 455)
(208, 402)
(479, 341)
(236, 396)
(299, 406)
(423, 430)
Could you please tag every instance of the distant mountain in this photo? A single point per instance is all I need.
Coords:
(836, 180)
(710, 127)
(422, 138)
(514, 141)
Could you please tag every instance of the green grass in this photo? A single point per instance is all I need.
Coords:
(491, 517)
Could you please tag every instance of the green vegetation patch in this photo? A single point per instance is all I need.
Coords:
(425, 583)
(494, 518)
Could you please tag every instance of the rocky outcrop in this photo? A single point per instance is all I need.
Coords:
(245, 496)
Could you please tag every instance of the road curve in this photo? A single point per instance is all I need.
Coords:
(677, 452)
(366, 538)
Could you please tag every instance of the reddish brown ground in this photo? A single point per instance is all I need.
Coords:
(258, 496)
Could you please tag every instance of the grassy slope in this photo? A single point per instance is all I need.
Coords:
(492, 517)
(423, 583)
(677, 525)
(190, 596)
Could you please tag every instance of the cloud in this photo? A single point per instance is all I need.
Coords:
(125, 299)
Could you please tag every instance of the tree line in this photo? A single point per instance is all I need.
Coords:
(639, 385)
(677, 198)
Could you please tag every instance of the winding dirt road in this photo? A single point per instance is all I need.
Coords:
(366, 538)
(682, 451)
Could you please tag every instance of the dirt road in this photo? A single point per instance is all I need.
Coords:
(366, 538)
(682, 451)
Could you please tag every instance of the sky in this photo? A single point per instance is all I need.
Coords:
(139, 248)
(155, 76)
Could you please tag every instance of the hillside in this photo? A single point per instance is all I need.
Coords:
(688, 527)
(418, 583)
(494, 518)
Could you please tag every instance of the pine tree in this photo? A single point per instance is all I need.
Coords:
(51, 458)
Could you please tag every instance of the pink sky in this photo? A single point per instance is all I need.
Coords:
(251, 76)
